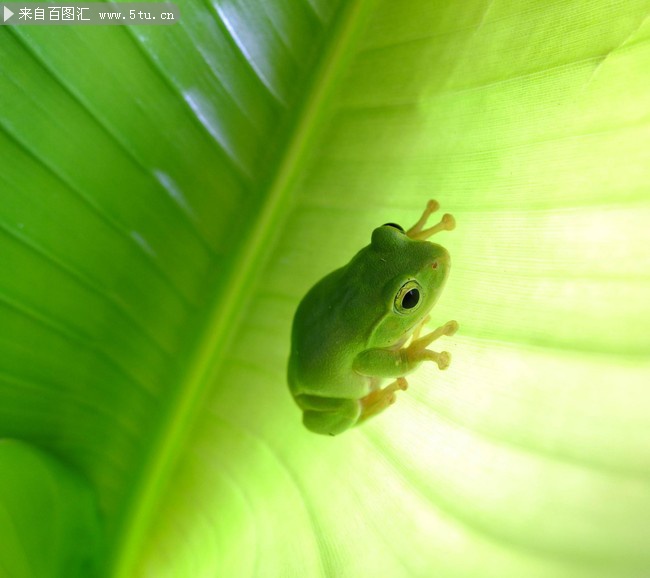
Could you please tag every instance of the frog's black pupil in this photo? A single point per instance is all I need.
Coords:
(394, 225)
(411, 299)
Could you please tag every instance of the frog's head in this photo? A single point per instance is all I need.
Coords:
(412, 274)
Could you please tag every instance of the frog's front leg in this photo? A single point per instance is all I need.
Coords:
(419, 328)
(378, 362)
(417, 231)
(417, 351)
(378, 400)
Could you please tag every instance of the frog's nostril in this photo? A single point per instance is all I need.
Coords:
(434, 265)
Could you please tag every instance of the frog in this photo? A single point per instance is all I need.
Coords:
(360, 326)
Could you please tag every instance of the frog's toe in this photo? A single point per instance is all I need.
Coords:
(451, 327)
(448, 221)
(432, 206)
(444, 359)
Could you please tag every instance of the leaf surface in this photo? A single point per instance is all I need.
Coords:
(170, 193)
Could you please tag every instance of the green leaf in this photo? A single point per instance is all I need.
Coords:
(48, 517)
(168, 194)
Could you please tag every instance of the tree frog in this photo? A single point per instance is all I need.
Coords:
(361, 324)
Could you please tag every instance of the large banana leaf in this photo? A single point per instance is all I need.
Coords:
(168, 194)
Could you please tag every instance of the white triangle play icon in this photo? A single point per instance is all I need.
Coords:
(8, 14)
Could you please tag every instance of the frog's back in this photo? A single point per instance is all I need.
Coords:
(327, 334)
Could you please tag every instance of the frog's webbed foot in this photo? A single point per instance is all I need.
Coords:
(417, 351)
(417, 231)
(377, 401)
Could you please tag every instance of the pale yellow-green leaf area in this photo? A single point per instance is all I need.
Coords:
(529, 457)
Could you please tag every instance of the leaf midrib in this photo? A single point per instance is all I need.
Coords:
(226, 309)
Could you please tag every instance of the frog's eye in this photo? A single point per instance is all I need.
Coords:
(408, 297)
(395, 226)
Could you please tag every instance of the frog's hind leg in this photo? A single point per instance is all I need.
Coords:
(328, 415)
(378, 400)
(417, 231)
